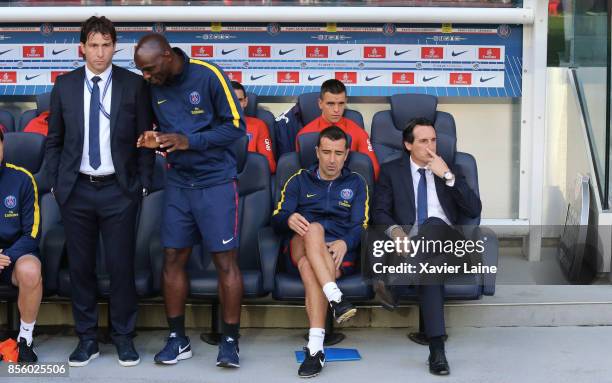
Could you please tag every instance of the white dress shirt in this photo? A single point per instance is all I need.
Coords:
(434, 209)
(106, 165)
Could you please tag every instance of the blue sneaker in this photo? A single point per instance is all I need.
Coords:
(177, 348)
(228, 353)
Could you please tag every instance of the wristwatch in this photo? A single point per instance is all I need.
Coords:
(448, 175)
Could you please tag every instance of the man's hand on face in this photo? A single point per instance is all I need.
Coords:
(298, 223)
(172, 142)
(148, 140)
(338, 250)
(436, 164)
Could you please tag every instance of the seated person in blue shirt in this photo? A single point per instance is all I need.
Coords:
(19, 237)
(323, 209)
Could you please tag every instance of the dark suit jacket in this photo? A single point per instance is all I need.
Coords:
(131, 115)
(394, 195)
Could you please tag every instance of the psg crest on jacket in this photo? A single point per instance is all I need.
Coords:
(10, 202)
(194, 97)
(346, 194)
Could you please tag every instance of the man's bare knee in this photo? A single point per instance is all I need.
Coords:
(175, 258)
(27, 272)
(315, 232)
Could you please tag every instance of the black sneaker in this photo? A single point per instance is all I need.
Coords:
(342, 310)
(85, 351)
(126, 353)
(312, 364)
(26, 353)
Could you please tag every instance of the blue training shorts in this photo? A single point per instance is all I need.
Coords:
(209, 215)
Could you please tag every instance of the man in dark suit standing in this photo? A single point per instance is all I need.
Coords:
(98, 178)
(421, 192)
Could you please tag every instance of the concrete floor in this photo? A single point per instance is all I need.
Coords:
(497, 354)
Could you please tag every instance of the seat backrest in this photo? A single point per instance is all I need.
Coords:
(467, 164)
(25, 149)
(7, 120)
(43, 103)
(309, 108)
(387, 126)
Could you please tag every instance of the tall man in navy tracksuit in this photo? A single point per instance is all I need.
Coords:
(323, 209)
(19, 237)
(199, 117)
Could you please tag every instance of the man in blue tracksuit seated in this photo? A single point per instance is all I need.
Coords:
(19, 237)
(199, 118)
(324, 210)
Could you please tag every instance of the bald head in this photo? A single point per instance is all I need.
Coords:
(153, 43)
(156, 59)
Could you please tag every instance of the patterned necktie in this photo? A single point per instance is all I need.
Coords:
(422, 198)
(94, 125)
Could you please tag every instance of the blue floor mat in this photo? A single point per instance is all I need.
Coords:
(333, 355)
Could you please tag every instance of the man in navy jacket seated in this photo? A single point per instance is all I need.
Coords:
(323, 210)
(19, 237)
(420, 196)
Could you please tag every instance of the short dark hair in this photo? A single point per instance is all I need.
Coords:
(98, 25)
(1, 134)
(238, 86)
(334, 133)
(408, 133)
(332, 86)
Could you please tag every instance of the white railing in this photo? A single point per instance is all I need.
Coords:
(270, 14)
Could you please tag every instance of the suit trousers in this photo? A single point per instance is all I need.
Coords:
(431, 292)
(95, 208)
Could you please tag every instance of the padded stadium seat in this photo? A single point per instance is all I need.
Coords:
(25, 149)
(43, 104)
(309, 108)
(387, 127)
(253, 110)
(7, 120)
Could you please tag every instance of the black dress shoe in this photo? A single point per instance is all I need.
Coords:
(387, 299)
(126, 353)
(438, 365)
(421, 338)
(85, 351)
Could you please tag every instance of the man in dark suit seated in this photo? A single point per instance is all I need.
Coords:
(98, 178)
(420, 192)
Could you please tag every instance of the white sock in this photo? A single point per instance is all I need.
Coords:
(332, 292)
(316, 336)
(25, 331)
